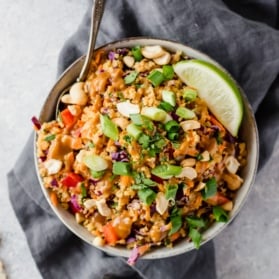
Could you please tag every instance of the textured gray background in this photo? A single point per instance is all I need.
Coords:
(31, 36)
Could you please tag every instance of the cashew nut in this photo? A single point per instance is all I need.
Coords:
(164, 59)
(129, 61)
(152, 52)
(190, 125)
(232, 164)
(76, 96)
(161, 203)
(188, 172)
(205, 156)
(189, 162)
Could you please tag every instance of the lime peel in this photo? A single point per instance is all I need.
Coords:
(216, 88)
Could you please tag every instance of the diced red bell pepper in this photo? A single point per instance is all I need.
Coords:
(217, 199)
(71, 180)
(67, 118)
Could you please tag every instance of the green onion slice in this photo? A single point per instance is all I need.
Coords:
(136, 51)
(131, 77)
(168, 71)
(166, 171)
(190, 94)
(109, 128)
(121, 168)
(169, 97)
(185, 113)
(156, 78)
(147, 195)
(134, 130)
(95, 162)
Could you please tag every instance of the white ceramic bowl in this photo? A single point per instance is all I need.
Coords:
(248, 133)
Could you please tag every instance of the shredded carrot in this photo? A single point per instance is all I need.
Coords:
(174, 236)
(98, 56)
(143, 249)
(110, 234)
(53, 198)
(214, 121)
(125, 180)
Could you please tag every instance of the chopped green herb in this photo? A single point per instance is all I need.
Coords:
(147, 196)
(109, 128)
(114, 205)
(49, 138)
(148, 182)
(156, 78)
(176, 220)
(144, 140)
(120, 96)
(195, 222)
(173, 136)
(97, 174)
(127, 138)
(166, 171)
(90, 144)
(175, 145)
(218, 137)
(171, 192)
(143, 121)
(168, 71)
(199, 157)
(190, 94)
(136, 51)
(141, 182)
(196, 236)
(121, 168)
(166, 106)
(83, 190)
(138, 85)
(131, 77)
(210, 188)
(220, 214)
(185, 113)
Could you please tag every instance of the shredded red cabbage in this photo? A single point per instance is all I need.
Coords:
(156, 178)
(43, 158)
(36, 122)
(130, 240)
(174, 116)
(75, 207)
(111, 55)
(122, 51)
(54, 182)
(134, 256)
(120, 156)
(93, 181)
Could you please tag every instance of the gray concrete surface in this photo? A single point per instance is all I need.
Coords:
(31, 35)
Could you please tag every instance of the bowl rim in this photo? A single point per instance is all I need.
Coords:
(160, 252)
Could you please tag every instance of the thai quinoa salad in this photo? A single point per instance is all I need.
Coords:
(136, 156)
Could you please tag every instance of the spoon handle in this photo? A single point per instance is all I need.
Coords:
(96, 17)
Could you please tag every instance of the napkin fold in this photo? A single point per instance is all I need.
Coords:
(241, 35)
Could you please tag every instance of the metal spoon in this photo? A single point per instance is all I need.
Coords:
(96, 17)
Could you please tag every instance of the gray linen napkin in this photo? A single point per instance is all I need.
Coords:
(242, 36)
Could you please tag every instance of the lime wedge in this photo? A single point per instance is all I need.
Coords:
(216, 88)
